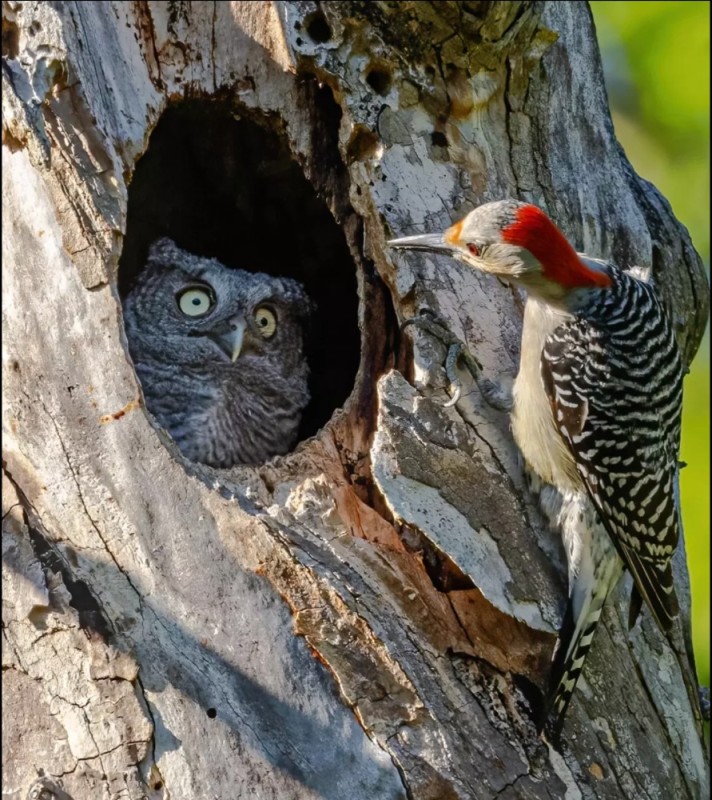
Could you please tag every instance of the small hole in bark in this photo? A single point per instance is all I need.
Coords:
(438, 139)
(212, 713)
(531, 692)
(317, 27)
(379, 79)
(362, 145)
(158, 785)
(224, 184)
(90, 612)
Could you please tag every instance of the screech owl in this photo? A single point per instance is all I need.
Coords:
(219, 353)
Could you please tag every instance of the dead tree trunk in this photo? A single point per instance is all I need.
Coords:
(373, 615)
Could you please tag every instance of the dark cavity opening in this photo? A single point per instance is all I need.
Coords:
(318, 28)
(379, 79)
(226, 186)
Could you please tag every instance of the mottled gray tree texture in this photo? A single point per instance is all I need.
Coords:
(371, 616)
(219, 355)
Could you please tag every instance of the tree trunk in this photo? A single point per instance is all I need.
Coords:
(371, 616)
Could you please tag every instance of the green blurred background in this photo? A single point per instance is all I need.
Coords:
(656, 59)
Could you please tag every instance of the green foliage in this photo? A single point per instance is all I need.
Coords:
(656, 58)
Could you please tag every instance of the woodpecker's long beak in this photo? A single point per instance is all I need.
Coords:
(432, 242)
(231, 338)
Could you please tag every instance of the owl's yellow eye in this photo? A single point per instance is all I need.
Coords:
(195, 302)
(266, 322)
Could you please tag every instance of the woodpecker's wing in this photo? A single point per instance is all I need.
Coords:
(614, 380)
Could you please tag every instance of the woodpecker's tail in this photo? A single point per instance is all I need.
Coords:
(583, 612)
(654, 584)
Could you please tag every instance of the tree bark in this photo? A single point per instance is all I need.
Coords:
(371, 616)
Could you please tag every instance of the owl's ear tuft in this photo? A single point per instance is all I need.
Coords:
(307, 317)
(164, 251)
(301, 303)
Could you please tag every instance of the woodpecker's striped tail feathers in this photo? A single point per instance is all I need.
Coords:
(596, 577)
(570, 652)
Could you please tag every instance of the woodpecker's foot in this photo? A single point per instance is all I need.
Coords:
(436, 326)
(45, 788)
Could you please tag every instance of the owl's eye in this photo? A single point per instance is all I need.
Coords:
(195, 302)
(266, 321)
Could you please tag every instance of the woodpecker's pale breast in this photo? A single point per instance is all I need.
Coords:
(533, 427)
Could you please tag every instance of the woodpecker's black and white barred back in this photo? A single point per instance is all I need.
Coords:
(614, 378)
(596, 415)
(613, 375)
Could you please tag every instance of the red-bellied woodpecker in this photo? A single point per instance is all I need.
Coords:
(596, 414)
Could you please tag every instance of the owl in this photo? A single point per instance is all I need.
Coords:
(219, 353)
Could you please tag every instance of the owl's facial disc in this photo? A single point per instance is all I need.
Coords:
(242, 333)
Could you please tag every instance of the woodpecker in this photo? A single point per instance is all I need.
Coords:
(596, 411)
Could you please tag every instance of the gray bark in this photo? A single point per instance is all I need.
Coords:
(371, 616)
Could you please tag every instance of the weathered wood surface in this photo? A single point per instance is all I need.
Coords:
(369, 616)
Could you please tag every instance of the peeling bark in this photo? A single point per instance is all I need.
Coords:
(371, 616)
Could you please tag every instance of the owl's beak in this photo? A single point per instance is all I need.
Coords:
(231, 340)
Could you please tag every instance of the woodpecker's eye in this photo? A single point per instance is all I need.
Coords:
(266, 321)
(473, 248)
(195, 301)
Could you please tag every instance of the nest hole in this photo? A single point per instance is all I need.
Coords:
(225, 185)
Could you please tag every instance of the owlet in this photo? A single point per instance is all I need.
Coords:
(219, 353)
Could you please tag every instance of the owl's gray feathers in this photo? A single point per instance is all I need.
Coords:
(219, 353)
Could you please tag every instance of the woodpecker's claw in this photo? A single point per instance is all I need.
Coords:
(453, 353)
(436, 326)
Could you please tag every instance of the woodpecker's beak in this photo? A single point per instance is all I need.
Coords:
(431, 242)
(231, 338)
